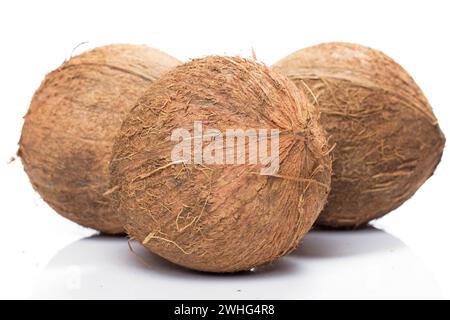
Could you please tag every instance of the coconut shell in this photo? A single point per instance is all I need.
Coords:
(220, 217)
(68, 132)
(387, 139)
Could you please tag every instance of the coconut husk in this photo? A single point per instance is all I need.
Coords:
(220, 217)
(69, 128)
(388, 141)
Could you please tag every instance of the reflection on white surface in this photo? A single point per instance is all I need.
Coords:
(360, 264)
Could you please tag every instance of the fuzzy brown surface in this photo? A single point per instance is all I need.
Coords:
(388, 141)
(69, 128)
(220, 218)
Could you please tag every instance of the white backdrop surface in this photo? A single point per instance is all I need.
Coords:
(405, 254)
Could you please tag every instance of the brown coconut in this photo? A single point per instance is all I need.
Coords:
(388, 141)
(68, 131)
(212, 217)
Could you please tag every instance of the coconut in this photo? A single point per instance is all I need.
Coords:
(213, 216)
(68, 132)
(387, 139)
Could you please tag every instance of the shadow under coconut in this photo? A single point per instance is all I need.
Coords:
(324, 243)
(368, 263)
(144, 259)
(104, 266)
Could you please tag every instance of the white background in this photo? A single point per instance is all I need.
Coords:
(41, 254)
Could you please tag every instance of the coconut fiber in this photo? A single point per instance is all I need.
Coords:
(220, 217)
(68, 131)
(387, 139)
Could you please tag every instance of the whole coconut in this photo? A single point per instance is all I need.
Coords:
(68, 131)
(388, 141)
(220, 217)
